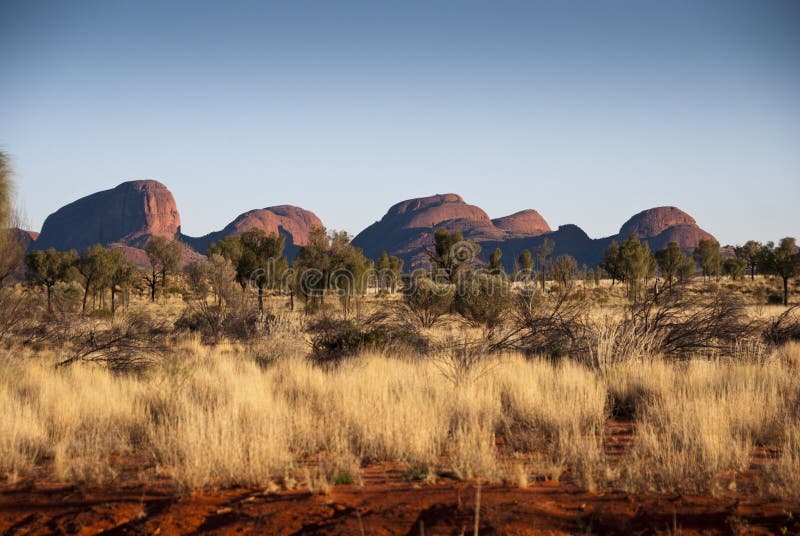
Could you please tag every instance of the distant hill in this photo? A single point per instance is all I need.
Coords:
(293, 222)
(125, 217)
(407, 230)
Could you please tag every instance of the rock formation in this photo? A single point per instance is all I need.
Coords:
(293, 222)
(129, 215)
(407, 230)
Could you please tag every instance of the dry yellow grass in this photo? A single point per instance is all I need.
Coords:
(211, 417)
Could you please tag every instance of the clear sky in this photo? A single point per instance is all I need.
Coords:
(588, 111)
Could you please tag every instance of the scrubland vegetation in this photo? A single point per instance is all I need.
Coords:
(266, 412)
(236, 371)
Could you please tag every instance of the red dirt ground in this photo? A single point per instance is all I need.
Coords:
(386, 504)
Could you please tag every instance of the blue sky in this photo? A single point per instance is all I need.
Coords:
(588, 111)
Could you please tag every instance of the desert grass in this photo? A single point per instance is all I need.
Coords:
(210, 417)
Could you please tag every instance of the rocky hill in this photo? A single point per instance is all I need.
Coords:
(293, 222)
(125, 217)
(129, 215)
(407, 230)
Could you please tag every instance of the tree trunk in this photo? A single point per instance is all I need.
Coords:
(261, 301)
(786, 291)
(153, 285)
(49, 302)
(113, 303)
(85, 296)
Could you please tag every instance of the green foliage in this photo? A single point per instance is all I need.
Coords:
(750, 253)
(48, 267)
(95, 265)
(709, 258)
(261, 261)
(426, 301)
(5, 192)
(348, 270)
(389, 269)
(783, 261)
(525, 261)
(734, 268)
(483, 299)
(452, 255)
(612, 262)
(674, 265)
(11, 252)
(230, 248)
(542, 253)
(164, 256)
(630, 262)
(329, 262)
(495, 265)
(334, 339)
(122, 275)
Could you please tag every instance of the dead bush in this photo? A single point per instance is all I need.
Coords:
(553, 325)
(785, 327)
(425, 302)
(680, 326)
(333, 339)
(128, 344)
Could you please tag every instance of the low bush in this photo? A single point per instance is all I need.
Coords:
(785, 327)
(333, 339)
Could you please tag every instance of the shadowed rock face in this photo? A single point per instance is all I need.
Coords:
(293, 222)
(22, 237)
(407, 231)
(407, 228)
(129, 214)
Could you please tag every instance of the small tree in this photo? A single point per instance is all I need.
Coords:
(95, 267)
(783, 261)
(11, 251)
(542, 253)
(452, 255)
(563, 270)
(636, 263)
(388, 271)
(48, 267)
(215, 278)
(734, 268)
(230, 248)
(396, 268)
(483, 299)
(709, 258)
(525, 261)
(674, 265)
(750, 253)
(312, 267)
(495, 265)
(164, 256)
(122, 274)
(5, 193)
(260, 261)
(427, 301)
(612, 263)
(348, 269)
